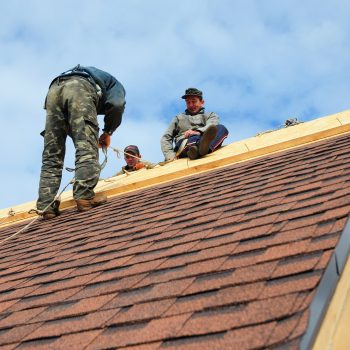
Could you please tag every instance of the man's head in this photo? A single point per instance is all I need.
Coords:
(194, 100)
(129, 152)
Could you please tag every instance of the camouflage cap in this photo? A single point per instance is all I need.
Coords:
(132, 149)
(193, 92)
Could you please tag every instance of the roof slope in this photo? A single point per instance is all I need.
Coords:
(230, 258)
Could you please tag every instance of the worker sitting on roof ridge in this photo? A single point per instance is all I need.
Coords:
(194, 132)
(72, 104)
(133, 161)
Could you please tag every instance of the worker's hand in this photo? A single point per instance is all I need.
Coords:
(190, 132)
(139, 166)
(104, 141)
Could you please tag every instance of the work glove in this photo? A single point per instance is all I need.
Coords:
(104, 141)
(139, 166)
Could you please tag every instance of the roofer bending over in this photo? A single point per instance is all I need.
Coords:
(194, 132)
(72, 104)
(133, 160)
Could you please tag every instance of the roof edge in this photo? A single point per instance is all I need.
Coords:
(254, 147)
(331, 295)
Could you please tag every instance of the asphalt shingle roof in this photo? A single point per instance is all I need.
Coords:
(228, 259)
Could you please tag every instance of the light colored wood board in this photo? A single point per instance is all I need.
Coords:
(236, 152)
(334, 331)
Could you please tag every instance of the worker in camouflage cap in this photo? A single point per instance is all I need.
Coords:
(193, 92)
(193, 133)
(72, 104)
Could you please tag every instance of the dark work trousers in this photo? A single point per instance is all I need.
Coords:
(221, 135)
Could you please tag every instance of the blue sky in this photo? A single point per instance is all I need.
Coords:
(258, 62)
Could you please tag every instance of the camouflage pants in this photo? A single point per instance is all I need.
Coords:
(71, 110)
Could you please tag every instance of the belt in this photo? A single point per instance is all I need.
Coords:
(74, 76)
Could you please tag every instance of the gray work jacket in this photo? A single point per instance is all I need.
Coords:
(181, 123)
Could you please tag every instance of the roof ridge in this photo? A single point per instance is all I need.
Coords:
(255, 147)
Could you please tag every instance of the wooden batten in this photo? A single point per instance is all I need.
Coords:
(258, 146)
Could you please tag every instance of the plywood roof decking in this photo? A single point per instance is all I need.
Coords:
(258, 146)
(229, 258)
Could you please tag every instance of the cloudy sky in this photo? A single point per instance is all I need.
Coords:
(259, 62)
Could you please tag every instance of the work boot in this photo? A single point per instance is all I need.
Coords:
(193, 153)
(206, 139)
(49, 215)
(87, 204)
(52, 211)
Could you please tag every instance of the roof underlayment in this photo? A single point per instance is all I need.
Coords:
(231, 253)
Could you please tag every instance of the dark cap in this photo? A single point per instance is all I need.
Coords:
(193, 92)
(132, 149)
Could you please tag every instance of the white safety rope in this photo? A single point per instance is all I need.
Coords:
(57, 198)
(39, 212)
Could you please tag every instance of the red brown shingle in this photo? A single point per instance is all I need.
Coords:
(235, 264)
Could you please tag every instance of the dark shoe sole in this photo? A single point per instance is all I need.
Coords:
(82, 209)
(206, 140)
(192, 153)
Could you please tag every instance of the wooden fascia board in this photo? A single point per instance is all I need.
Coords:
(334, 331)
